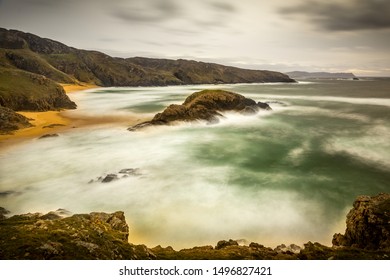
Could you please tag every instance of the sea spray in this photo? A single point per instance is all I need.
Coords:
(281, 176)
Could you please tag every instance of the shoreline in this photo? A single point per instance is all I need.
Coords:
(50, 122)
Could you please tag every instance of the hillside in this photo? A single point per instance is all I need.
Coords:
(32, 69)
(65, 64)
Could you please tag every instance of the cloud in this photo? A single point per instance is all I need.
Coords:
(146, 11)
(223, 7)
(344, 16)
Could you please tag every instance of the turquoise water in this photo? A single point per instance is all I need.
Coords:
(286, 176)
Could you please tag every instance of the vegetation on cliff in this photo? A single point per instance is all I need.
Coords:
(57, 235)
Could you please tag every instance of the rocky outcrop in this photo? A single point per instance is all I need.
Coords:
(10, 120)
(206, 105)
(56, 235)
(368, 224)
(23, 91)
(59, 235)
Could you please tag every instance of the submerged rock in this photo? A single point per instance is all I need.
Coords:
(48, 136)
(110, 178)
(206, 105)
(123, 173)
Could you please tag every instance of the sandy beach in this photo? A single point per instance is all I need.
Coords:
(51, 122)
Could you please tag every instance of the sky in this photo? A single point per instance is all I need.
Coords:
(306, 35)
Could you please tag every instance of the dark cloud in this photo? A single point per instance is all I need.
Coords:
(146, 11)
(346, 16)
(223, 7)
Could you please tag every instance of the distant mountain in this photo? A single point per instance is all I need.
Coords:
(31, 69)
(320, 75)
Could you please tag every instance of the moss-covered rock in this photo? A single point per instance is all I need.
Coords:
(82, 236)
(205, 105)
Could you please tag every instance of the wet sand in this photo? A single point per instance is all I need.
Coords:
(51, 122)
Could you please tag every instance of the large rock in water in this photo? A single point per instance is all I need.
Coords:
(206, 105)
(368, 224)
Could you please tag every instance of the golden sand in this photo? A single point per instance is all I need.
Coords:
(69, 88)
(51, 122)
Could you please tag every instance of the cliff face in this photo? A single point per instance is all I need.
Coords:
(368, 224)
(57, 235)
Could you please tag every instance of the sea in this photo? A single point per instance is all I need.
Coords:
(289, 175)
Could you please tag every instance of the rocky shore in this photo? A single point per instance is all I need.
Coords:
(60, 235)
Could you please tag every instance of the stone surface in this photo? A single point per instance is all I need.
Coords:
(58, 235)
(205, 105)
(368, 224)
(83, 236)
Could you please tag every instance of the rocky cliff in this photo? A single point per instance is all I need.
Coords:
(206, 105)
(368, 224)
(58, 235)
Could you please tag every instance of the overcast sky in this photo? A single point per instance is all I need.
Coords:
(310, 35)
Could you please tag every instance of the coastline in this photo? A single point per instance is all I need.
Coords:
(46, 122)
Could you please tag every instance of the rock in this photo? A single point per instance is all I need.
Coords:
(83, 236)
(223, 244)
(48, 136)
(130, 171)
(292, 248)
(123, 173)
(368, 224)
(53, 125)
(10, 121)
(264, 106)
(206, 105)
(110, 178)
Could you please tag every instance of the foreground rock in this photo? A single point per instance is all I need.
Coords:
(53, 236)
(58, 235)
(206, 105)
(368, 224)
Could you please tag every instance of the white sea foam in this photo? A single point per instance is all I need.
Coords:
(186, 197)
